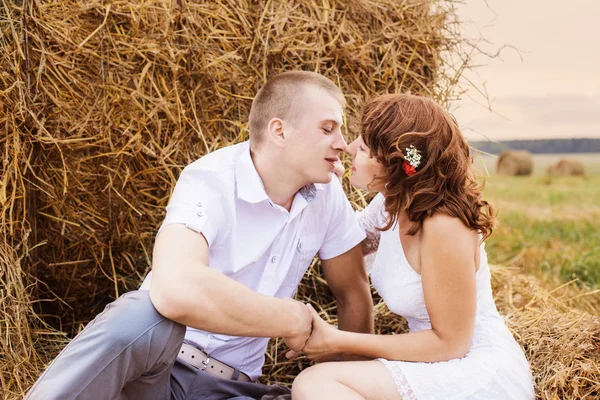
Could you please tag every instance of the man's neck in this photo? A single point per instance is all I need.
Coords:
(279, 186)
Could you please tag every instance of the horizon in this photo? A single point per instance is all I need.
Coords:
(482, 139)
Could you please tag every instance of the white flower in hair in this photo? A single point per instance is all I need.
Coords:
(413, 156)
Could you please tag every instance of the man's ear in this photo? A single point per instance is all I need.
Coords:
(275, 132)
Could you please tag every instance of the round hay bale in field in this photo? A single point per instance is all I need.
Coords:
(567, 167)
(514, 163)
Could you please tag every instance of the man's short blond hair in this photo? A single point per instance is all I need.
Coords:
(278, 98)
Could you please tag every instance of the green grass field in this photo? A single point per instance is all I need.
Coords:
(548, 227)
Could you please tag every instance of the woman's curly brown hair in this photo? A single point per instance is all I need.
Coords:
(444, 181)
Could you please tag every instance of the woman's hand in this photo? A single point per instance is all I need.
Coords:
(321, 345)
(339, 170)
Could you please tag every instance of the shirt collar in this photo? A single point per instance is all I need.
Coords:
(248, 183)
(250, 187)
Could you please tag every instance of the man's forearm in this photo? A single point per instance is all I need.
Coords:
(185, 289)
(355, 313)
(348, 280)
(211, 301)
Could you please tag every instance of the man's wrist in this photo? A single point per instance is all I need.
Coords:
(300, 320)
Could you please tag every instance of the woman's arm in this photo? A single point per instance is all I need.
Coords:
(448, 276)
(371, 218)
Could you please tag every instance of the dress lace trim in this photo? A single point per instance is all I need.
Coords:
(400, 380)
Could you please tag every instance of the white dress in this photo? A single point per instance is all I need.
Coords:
(494, 367)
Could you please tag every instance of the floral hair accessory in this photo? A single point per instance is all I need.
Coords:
(412, 160)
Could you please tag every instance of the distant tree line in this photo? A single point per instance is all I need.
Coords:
(541, 146)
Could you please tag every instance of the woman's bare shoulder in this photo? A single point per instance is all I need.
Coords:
(444, 226)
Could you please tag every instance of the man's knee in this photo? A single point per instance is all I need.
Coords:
(128, 339)
(131, 315)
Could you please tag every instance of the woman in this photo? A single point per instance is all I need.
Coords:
(427, 223)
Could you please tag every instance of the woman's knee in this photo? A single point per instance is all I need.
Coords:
(302, 386)
(309, 381)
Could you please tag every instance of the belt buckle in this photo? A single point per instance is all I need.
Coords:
(205, 363)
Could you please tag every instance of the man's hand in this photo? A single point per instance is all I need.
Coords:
(296, 343)
(320, 346)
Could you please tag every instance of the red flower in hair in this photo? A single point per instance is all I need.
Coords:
(409, 169)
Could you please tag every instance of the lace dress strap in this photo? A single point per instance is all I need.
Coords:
(370, 218)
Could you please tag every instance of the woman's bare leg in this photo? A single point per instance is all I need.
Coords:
(368, 380)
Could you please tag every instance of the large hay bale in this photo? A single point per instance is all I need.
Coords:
(124, 95)
(103, 104)
(566, 167)
(514, 163)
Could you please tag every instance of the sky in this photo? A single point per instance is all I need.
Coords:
(550, 87)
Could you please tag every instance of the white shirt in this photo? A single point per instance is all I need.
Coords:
(254, 241)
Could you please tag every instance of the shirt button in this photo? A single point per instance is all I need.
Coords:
(200, 214)
(199, 204)
(273, 259)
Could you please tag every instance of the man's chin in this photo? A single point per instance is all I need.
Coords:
(324, 178)
(329, 177)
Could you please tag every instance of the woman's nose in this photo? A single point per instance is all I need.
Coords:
(350, 148)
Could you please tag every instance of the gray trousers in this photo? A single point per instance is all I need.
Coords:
(129, 351)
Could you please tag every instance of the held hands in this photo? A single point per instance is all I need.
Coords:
(297, 342)
(320, 345)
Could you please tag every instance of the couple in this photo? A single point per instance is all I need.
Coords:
(242, 227)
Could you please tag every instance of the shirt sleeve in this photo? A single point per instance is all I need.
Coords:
(343, 232)
(370, 218)
(196, 203)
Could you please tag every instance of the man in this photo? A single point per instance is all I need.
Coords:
(242, 227)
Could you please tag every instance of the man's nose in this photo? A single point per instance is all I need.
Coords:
(340, 143)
